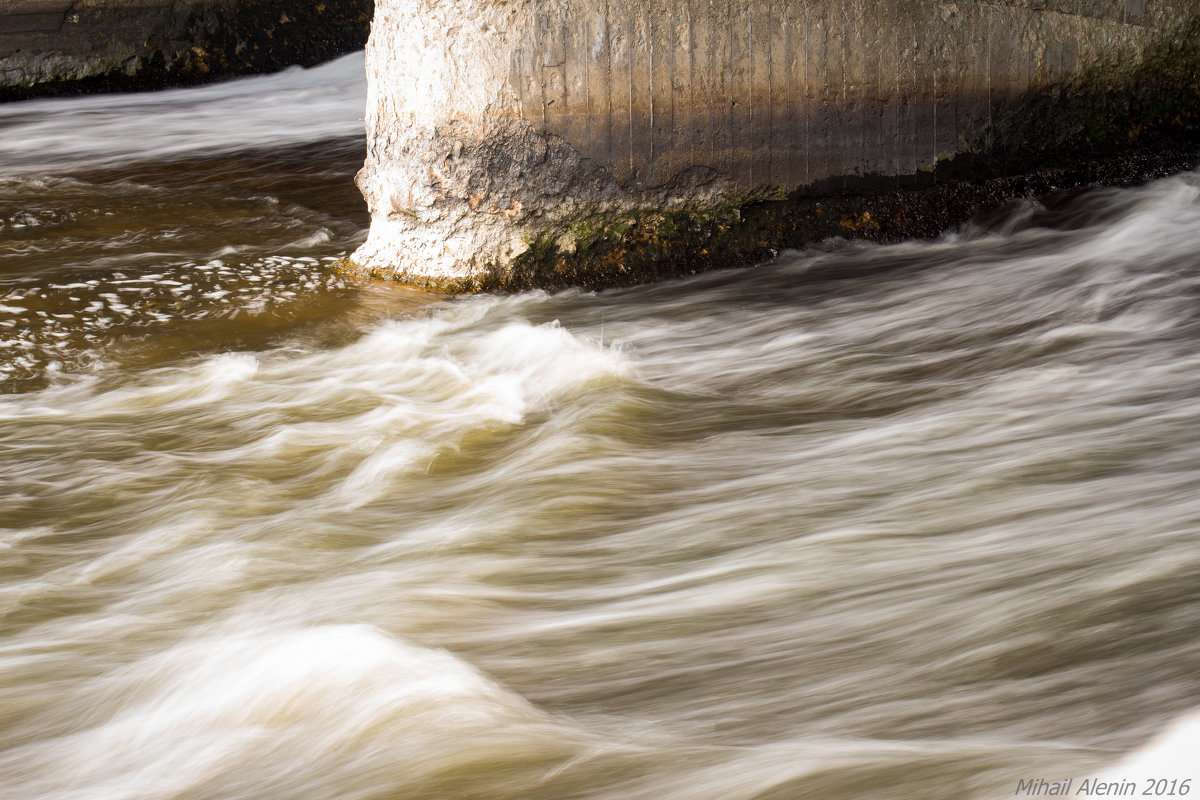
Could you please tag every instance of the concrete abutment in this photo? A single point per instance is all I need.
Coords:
(552, 143)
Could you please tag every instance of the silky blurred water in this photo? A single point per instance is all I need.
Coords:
(917, 521)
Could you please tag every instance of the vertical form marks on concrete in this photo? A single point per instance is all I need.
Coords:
(600, 107)
(900, 49)
(760, 23)
(641, 98)
(917, 82)
(583, 55)
(776, 68)
(660, 24)
(620, 160)
(873, 131)
(741, 100)
(529, 79)
(973, 77)
(853, 84)
(516, 78)
(704, 86)
(672, 46)
(681, 88)
(945, 117)
(907, 65)
(699, 73)
(817, 64)
(783, 85)
(798, 96)
(540, 55)
(554, 70)
(555, 73)
(833, 92)
(917, 103)
(686, 112)
(601, 141)
(629, 58)
(964, 72)
(720, 91)
(749, 137)
(890, 140)
(1000, 34)
(881, 80)
(834, 86)
(573, 75)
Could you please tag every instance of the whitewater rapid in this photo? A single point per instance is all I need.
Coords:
(909, 521)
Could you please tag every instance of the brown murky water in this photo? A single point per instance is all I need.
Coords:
(918, 521)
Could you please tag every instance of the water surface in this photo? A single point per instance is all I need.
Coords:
(916, 521)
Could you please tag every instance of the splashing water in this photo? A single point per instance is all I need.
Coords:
(916, 521)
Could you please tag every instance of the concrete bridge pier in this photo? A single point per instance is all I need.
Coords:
(600, 142)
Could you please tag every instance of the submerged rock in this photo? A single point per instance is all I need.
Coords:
(50, 47)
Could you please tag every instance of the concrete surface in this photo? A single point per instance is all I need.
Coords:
(545, 135)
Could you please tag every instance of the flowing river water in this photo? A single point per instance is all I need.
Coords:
(914, 521)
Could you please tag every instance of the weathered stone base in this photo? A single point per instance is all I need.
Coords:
(614, 250)
(55, 47)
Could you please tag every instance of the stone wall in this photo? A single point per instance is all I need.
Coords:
(547, 134)
(70, 46)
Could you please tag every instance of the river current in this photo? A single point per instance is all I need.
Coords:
(910, 521)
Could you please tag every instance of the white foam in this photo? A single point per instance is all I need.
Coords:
(287, 108)
(1172, 755)
(231, 714)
